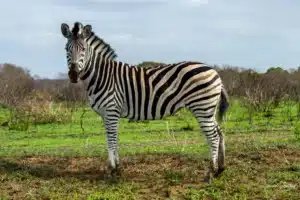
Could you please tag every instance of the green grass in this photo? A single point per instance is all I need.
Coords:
(161, 159)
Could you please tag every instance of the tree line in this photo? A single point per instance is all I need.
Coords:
(261, 91)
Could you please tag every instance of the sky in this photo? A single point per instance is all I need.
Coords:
(254, 34)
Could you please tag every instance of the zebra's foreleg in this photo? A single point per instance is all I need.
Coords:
(111, 127)
(114, 164)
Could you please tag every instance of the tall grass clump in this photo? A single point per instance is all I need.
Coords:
(296, 131)
(38, 108)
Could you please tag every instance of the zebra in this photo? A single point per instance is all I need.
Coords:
(117, 90)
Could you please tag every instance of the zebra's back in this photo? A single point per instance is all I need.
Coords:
(160, 91)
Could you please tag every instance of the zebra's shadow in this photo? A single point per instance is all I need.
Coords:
(139, 168)
(48, 171)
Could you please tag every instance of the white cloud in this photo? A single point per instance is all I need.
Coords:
(197, 2)
(233, 32)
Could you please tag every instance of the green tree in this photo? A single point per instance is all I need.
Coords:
(149, 64)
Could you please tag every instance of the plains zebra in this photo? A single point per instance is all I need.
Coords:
(118, 90)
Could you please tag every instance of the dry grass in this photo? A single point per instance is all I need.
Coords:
(38, 108)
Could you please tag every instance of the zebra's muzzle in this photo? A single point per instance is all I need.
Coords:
(73, 74)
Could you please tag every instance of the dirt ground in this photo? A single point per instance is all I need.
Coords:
(156, 175)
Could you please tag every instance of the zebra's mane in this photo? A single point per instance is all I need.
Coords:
(75, 30)
(106, 47)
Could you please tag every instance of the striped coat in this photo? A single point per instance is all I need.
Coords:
(119, 90)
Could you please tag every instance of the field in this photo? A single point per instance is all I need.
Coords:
(161, 159)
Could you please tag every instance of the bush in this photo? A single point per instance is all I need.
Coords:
(43, 110)
(19, 121)
(38, 108)
(15, 84)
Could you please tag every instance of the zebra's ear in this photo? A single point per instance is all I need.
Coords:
(86, 31)
(65, 30)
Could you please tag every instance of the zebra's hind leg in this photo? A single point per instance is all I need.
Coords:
(221, 153)
(209, 128)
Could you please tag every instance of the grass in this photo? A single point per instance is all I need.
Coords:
(160, 159)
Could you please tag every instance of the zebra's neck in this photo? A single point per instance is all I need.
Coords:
(99, 60)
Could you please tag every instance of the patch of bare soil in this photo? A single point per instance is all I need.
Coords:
(158, 175)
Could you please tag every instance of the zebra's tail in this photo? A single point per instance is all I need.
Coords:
(223, 104)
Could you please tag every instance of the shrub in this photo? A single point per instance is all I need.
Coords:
(43, 110)
(15, 84)
(18, 121)
(38, 108)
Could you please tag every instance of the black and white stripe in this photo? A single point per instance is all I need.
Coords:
(119, 90)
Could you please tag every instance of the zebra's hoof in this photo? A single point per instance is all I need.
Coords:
(208, 178)
(114, 171)
(113, 175)
(219, 172)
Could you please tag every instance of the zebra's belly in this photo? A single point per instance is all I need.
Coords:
(150, 117)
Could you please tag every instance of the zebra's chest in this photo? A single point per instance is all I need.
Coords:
(91, 100)
(93, 104)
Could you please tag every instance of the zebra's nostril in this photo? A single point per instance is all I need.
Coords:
(73, 74)
(73, 66)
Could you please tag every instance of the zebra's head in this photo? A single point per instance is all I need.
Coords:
(76, 48)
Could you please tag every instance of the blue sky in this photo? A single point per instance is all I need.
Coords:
(253, 34)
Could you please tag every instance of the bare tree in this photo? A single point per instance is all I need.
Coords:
(15, 84)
